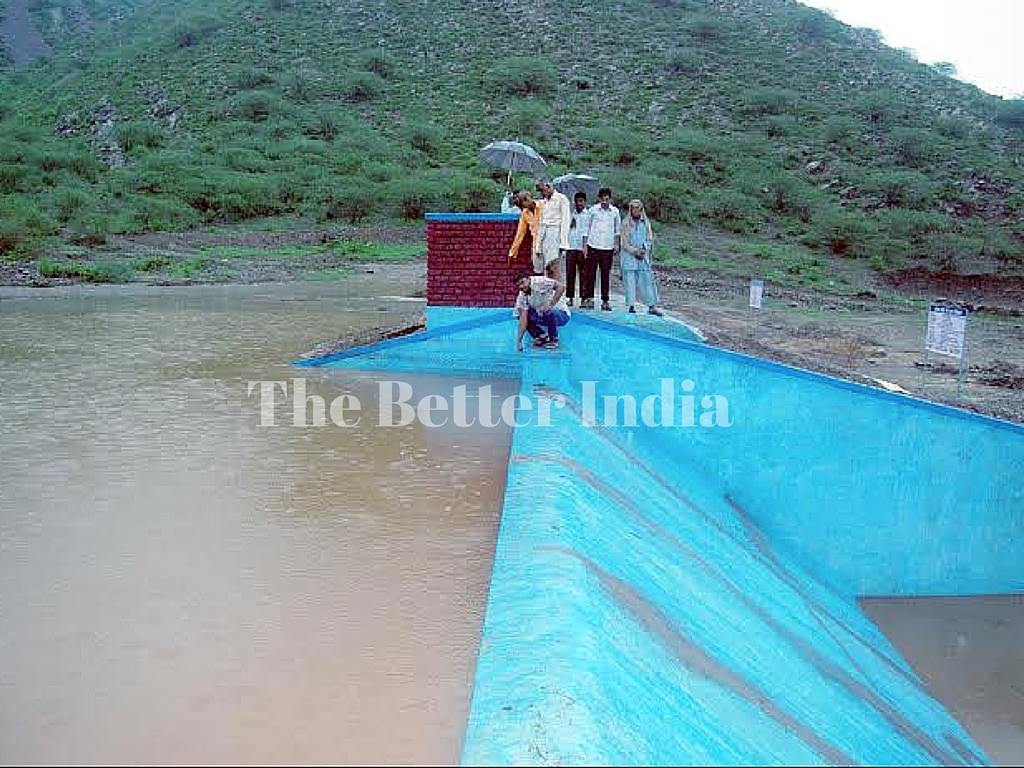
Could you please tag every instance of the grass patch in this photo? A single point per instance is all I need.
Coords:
(249, 252)
(328, 275)
(152, 264)
(90, 272)
(354, 250)
(189, 267)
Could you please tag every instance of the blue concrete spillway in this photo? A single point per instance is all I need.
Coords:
(686, 594)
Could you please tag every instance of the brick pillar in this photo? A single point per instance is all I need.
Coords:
(467, 259)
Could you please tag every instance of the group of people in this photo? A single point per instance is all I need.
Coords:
(578, 241)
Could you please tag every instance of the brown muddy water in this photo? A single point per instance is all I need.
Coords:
(179, 585)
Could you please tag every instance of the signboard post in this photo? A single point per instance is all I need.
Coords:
(756, 293)
(756, 296)
(947, 335)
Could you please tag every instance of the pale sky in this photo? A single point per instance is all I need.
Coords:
(983, 38)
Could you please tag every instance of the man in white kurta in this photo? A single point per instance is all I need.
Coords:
(555, 214)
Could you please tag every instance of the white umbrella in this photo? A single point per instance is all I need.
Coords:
(571, 183)
(513, 156)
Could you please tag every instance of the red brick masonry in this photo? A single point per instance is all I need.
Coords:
(467, 260)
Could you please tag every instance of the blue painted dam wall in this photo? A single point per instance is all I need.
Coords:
(687, 594)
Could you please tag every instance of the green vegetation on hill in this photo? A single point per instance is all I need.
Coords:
(759, 118)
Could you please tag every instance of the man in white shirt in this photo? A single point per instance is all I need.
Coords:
(601, 244)
(542, 310)
(579, 223)
(554, 226)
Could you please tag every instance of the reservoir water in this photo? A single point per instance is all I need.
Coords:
(181, 585)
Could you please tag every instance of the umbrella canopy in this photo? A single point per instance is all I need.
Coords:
(514, 157)
(571, 183)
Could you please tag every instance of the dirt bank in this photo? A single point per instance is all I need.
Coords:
(874, 337)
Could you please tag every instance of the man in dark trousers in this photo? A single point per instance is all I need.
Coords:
(600, 245)
(579, 223)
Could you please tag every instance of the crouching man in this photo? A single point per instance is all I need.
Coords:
(541, 308)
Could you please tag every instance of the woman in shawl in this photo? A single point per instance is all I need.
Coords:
(635, 258)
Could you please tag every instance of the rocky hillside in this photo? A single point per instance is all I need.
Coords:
(762, 119)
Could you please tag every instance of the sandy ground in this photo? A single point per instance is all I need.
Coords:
(970, 652)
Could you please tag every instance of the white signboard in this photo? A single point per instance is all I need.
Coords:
(947, 330)
(756, 293)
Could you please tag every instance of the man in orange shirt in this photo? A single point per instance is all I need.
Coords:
(529, 221)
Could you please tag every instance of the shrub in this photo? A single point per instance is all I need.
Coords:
(780, 126)
(684, 61)
(529, 116)
(151, 263)
(353, 202)
(946, 250)
(1010, 113)
(841, 130)
(1000, 245)
(954, 127)
(192, 31)
(844, 233)
(816, 26)
(250, 78)
(346, 162)
(92, 272)
(528, 76)
(732, 211)
(670, 168)
(693, 144)
(382, 171)
(278, 128)
(881, 107)
(412, 197)
(139, 134)
(367, 143)
(22, 225)
(327, 124)
(159, 171)
(242, 159)
(767, 101)
(900, 189)
(708, 29)
(68, 201)
(913, 226)
(614, 145)
(257, 106)
(362, 86)
(479, 195)
(15, 177)
(379, 62)
(424, 137)
(301, 86)
(788, 195)
(88, 229)
(465, 192)
(221, 194)
(57, 158)
(297, 152)
(665, 200)
(915, 147)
